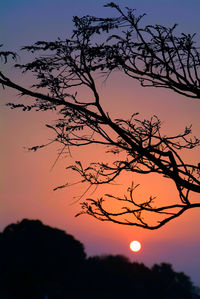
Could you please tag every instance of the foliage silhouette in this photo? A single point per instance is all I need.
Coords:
(155, 56)
(135, 280)
(37, 261)
(35, 258)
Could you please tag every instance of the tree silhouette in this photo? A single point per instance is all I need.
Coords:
(170, 283)
(36, 259)
(117, 277)
(156, 57)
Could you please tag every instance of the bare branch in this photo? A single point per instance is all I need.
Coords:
(156, 57)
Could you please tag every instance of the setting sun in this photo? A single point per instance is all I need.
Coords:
(135, 246)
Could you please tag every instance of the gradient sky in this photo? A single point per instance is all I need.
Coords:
(27, 182)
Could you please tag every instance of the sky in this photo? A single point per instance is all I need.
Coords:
(27, 179)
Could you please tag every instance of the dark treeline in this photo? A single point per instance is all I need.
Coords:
(40, 262)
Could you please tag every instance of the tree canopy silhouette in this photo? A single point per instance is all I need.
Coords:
(37, 261)
(152, 54)
(127, 279)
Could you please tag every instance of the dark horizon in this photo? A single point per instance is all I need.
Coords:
(49, 262)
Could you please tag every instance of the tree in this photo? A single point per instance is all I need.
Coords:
(156, 57)
(116, 277)
(36, 259)
(171, 284)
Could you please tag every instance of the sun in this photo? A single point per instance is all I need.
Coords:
(135, 246)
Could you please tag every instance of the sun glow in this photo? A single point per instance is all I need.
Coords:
(135, 246)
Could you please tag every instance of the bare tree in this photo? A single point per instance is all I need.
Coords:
(156, 57)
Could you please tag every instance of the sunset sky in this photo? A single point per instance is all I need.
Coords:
(27, 179)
